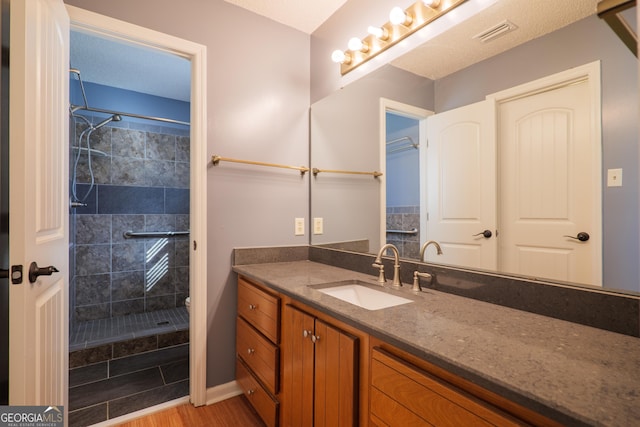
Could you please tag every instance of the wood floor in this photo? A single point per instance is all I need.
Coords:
(231, 412)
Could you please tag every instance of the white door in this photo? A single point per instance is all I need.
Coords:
(461, 186)
(550, 180)
(38, 201)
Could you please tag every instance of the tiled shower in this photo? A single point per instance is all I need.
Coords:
(129, 338)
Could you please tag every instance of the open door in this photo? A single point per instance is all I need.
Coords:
(38, 202)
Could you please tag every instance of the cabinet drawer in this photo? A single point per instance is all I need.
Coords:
(260, 309)
(262, 356)
(265, 405)
(402, 394)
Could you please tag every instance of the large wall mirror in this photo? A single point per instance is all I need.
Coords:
(378, 123)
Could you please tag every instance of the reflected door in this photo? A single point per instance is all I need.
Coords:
(549, 171)
(461, 186)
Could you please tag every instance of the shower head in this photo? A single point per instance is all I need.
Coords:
(114, 118)
(74, 71)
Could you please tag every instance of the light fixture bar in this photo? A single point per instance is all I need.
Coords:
(420, 14)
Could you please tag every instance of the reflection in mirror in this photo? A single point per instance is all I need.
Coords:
(346, 126)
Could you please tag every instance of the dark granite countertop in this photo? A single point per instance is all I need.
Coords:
(575, 374)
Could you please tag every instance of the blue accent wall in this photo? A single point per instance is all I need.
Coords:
(127, 101)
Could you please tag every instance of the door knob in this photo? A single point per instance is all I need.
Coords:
(486, 234)
(582, 236)
(35, 271)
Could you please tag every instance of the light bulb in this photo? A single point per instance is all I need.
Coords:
(431, 3)
(379, 32)
(355, 44)
(397, 16)
(340, 57)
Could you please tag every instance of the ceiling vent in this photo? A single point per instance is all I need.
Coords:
(496, 31)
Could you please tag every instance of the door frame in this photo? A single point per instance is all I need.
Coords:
(413, 112)
(90, 22)
(591, 74)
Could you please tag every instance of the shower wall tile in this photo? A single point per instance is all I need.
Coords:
(122, 308)
(93, 229)
(127, 171)
(88, 197)
(93, 289)
(181, 280)
(93, 259)
(100, 165)
(122, 223)
(127, 285)
(130, 200)
(159, 223)
(182, 222)
(159, 173)
(160, 303)
(160, 146)
(183, 149)
(93, 312)
(159, 282)
(142, 185)
(128, 143)
(128, 256)
(182, 253)
(177, 202)
(182, 175)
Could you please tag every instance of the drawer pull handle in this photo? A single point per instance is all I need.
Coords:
(253, 306)
(250, 392)
(250, 351)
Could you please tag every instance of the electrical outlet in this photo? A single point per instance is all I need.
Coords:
(614, 178)
(317, 226)
(299, 226)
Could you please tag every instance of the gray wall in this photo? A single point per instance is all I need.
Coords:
(345, 136)
(257, 100)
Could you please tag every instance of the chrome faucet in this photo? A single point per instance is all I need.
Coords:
(416, 274)
(396, 266)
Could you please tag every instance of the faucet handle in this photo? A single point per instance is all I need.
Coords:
(416, 280)
(380, 266)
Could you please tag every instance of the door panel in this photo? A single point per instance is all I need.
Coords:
(547, 162)
(38, 216)
(461, 185)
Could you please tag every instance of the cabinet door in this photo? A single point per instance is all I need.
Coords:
(297, 364)
(336, 376)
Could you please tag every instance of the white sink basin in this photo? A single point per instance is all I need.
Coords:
(355, 293)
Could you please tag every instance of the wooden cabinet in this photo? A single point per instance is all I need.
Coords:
(257, 349)
(320, 372)
(299, 366)
(408, 391)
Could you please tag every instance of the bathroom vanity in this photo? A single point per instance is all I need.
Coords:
(439, 358)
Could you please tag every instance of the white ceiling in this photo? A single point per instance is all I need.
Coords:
(303, 15)
(131, 67)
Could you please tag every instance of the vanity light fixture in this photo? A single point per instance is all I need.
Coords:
(402, 23)
(431, 3)
(355, 45)
(397, 16)
(379, 32)
(340, 57)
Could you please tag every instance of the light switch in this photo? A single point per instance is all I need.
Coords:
(317, 226)
(614, 178)
(299, 226)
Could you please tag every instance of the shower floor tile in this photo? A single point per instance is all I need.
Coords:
(103, 331)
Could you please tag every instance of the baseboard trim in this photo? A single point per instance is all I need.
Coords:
(223, 392)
